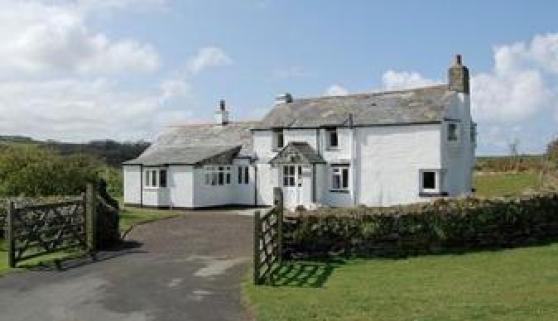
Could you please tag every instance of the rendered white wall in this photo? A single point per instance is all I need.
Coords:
(389, 160)
(458, 157)
(132, 184)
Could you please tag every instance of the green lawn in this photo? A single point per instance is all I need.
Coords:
(504, 184)
(130, 216)
(509, 285)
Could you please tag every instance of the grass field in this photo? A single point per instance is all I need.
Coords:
(128, 217)
(504, 184)
(509, 285)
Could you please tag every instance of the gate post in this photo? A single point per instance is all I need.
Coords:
(278, 202)
(11, 235)
(257, 237)
(91, 217)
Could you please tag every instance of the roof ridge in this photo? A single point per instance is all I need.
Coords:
(375, 93)
(244, 122)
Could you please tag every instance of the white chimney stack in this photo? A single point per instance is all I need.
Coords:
(222, 114)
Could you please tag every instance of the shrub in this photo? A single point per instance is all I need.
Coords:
(444, 225)
(31, 171)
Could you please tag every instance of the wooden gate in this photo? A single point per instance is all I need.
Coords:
(37, 230)
(268, 237)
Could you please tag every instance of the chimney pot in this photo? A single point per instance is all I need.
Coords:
(286, 98)
(222, 114)
(458, 60)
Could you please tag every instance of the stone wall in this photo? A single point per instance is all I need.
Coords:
(452, 225)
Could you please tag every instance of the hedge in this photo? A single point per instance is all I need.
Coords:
(441, 226)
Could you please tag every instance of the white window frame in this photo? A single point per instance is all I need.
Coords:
(336, 173)
(329, 132)
(217, 175)
(438, 182)
(152, 178)
(243, 177)
(276, 134)
(288, 177)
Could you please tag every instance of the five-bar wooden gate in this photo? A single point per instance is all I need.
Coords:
(268, 235)
(37, 230)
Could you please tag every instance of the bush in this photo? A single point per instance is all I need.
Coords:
(31, 171)
(445, 225)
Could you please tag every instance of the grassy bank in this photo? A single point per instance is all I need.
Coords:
(504, 184)
(509, 285)
(130, 216)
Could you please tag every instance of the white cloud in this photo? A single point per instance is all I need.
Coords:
(394, 80)
(206, 58)
(78, 110)
(59, 79)
(40, 38)
(336, 90)
(519, 91)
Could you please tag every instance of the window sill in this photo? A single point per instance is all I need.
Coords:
(343, 191)
(433, 194)
(333, 149)
(151, 188)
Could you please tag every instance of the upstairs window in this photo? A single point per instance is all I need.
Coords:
(473, 133)
(332, 138)
(453, 132)
(278, 139)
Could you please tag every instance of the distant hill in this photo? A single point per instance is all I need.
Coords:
(112, 152)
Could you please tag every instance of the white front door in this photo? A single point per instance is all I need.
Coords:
(292, 185)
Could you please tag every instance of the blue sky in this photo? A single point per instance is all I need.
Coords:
(123, 69)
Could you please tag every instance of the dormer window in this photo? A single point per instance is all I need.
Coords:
(332, 138)
(278, 139)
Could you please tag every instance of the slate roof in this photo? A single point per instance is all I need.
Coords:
(301, 151)
(419, 105)
(192, 144)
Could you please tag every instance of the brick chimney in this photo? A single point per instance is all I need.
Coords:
(222, 114)
(458, 76)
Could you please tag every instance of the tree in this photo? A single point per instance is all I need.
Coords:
(28, 170)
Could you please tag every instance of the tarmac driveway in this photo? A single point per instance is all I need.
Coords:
(184, 268)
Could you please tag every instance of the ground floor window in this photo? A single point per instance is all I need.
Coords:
(431, 181)
(339, 178)
(243, 174)
(155, 178)
(217, 175)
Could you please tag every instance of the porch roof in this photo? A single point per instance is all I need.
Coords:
(297, 153)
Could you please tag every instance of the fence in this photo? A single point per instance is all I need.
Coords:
(268, 237)
(37, 230)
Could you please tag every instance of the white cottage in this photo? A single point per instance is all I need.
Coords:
(375, 149)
